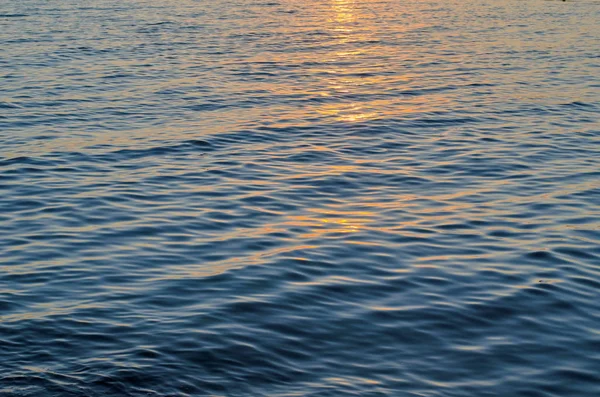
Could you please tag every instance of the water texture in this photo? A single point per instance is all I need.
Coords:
(300, 198)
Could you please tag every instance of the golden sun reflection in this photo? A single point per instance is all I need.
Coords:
(324, 222)
(345, 10)
(347, 72)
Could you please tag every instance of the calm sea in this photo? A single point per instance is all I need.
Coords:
(318, 198)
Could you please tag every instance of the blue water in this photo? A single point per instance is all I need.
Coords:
(300, 198)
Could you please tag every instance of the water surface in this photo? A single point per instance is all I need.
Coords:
(299, 198)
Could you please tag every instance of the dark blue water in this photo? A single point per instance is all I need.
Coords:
(300, 198)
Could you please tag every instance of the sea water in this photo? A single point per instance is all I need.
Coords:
(300, 198)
